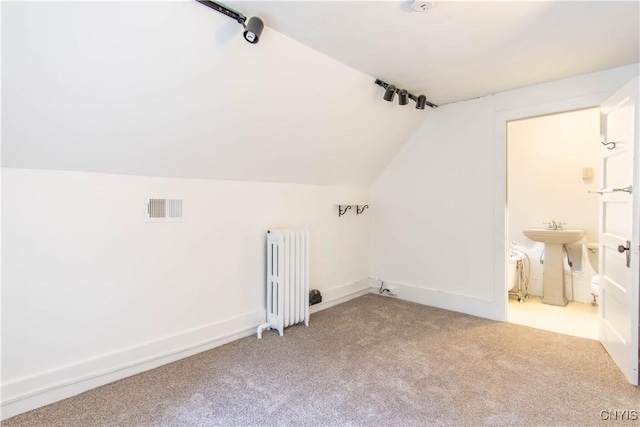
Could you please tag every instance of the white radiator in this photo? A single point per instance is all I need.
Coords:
(287, 279)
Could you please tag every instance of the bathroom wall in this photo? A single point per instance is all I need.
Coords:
(545, 160)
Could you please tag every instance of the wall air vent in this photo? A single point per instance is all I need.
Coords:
(164, 210)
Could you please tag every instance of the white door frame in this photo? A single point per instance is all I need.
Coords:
(500, 161)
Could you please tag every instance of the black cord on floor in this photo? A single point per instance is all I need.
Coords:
(382, 291)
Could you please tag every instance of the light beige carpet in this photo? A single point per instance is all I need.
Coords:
(370, 361)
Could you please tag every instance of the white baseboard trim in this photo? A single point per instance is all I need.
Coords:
(41, 389)
(441, 299)
(340, 294)
(47, 387)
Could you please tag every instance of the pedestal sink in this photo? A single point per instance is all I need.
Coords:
(553, 271)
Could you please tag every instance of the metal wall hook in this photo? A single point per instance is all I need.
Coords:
(359, 210)
(343, 211)
(609, 145)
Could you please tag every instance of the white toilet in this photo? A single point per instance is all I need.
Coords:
(590, 262)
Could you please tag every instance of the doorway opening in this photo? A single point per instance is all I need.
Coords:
(552, 164)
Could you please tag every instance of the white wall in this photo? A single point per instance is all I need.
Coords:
(439, 227)
(167, 89)
(545, 159)
(171, 88)
(90, 292)
(431, 202)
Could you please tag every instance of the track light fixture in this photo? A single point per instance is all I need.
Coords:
(421, 101)
(252, 28)
(389, 93)
(403, 96)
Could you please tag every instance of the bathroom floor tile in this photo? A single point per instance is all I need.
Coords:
(577, 318)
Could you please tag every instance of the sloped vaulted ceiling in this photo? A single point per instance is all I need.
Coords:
(172, 89)
(459, 49)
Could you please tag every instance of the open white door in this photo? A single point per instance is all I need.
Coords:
(619, 230)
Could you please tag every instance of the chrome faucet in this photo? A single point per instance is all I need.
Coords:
(553, 225)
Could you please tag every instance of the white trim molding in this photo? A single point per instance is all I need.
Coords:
(500, 174)
(51, 386)
(43, 388)
(340, 294)
(441, 299)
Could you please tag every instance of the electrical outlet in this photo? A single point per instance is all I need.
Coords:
(393, 291)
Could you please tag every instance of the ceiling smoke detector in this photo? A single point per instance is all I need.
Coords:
(423, 5)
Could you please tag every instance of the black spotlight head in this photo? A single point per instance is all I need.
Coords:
(403, 97)
(389, 93)
(253, 29)
(421, 102)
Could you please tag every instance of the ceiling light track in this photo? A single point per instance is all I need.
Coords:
(252, 27)
(403, 96)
